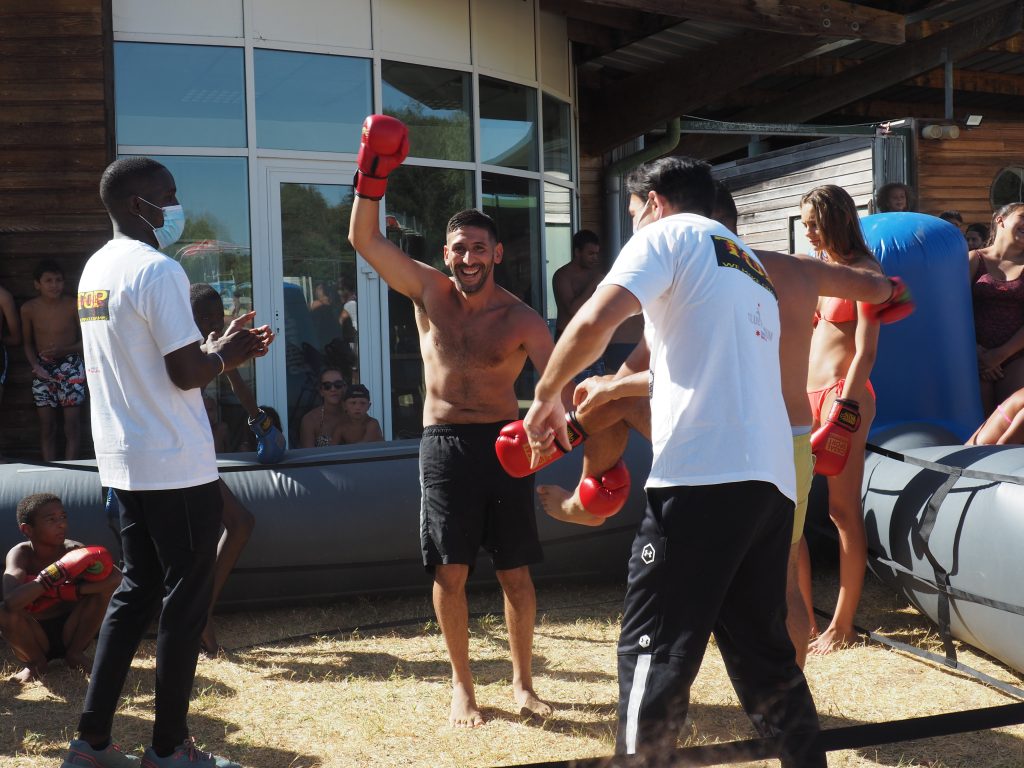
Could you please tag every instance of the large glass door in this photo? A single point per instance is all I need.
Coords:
(324, 298)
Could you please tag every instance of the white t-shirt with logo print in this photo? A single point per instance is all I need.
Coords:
(133, 304)
(712, 324)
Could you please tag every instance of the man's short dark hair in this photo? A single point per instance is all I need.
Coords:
(583, 238)
(44, 266)
(684, 181)
(29, 506)
(952, 216)
(125, 176)
(472, 218)
(202, 292)
(724, 205)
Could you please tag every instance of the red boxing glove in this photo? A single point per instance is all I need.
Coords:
(384, 146)
(605, 496)
(899, 304)
(513, 446)
(66, 592)
(831, 443)
(89, 563)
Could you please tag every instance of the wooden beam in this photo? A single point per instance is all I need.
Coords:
(833, 19)
(874, 75)
(624, 19)
(623, 109)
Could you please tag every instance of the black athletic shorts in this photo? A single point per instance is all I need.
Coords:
(53, 628)
(469, 501)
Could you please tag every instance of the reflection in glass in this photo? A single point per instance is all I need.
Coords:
(179, 95)
(435, 104)
(418, 205)
(508, 124)
(557, 137)
(512, 203)
(557, 240)
(214, 249)
(320, 318)
(310, 101)
(1008, 187)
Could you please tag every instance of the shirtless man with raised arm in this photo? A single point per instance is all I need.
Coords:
(474, 339)
(608, 406)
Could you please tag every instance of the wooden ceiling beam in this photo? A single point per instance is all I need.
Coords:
(871, 77)
(623, 109)
(625, 19)
(833, 19)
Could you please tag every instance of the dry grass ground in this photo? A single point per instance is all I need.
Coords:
(378, 696)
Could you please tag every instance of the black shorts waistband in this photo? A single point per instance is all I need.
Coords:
(468, 431)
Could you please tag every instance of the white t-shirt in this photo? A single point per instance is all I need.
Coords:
(712, 324)
(133, 305)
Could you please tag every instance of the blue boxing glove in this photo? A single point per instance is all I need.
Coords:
(269, 440)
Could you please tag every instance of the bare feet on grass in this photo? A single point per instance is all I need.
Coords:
(832, 639)
(530, 705)
(208, 645)
(464, 713)
(565, 506)
(29, 674)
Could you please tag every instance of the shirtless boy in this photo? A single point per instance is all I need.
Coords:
(44, 622)
(574, 283)
(357, 426)
(53, 346)
(799, 281)
(475, 338)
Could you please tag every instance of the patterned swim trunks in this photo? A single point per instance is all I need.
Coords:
(66, 386)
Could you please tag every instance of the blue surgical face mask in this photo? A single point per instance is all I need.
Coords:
(174, 224)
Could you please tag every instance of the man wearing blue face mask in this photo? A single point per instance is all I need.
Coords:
(146, 364)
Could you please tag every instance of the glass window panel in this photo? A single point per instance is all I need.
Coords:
(435, 104)
(418, 205)
(321, 320)
(214, 249)
(179, 95)
(557, 240)
(310, 101)
(512, 203)
(557, 137)
(1007, 187)
(508, 124)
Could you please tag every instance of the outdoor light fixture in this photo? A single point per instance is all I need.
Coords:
(973, 121)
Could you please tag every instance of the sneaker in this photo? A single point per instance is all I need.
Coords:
(187, 755)
(81, 755)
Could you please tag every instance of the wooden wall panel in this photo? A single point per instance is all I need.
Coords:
(956, 174)
(591, 192)
(767, 188)
(56, 137)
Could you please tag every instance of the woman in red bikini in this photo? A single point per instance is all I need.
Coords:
(997, 288)
(843, 351)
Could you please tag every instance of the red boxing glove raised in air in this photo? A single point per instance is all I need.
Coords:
(385, 144)
(88, 563)
(899, 304)
(513, 447)
(831, 443)
(604, 496)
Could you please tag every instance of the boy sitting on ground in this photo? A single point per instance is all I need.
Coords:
(356, 425)
(55, 590)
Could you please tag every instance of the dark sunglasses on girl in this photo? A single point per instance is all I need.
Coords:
(325, 385)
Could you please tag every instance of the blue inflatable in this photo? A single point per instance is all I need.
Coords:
(926, 368)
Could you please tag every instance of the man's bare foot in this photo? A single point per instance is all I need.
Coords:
(832, 639)
(208, 645)
(464, 713)
(29, 674)
(530, 705)
(565, 506)
(77, 661)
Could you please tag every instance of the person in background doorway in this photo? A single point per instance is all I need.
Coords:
(894, 197)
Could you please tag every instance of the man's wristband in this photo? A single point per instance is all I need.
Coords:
(217, 355)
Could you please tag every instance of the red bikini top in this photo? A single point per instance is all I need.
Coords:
(839, 310)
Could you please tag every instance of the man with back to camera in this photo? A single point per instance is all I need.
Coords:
(474, 338)
(722, 484)
(146, 367)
